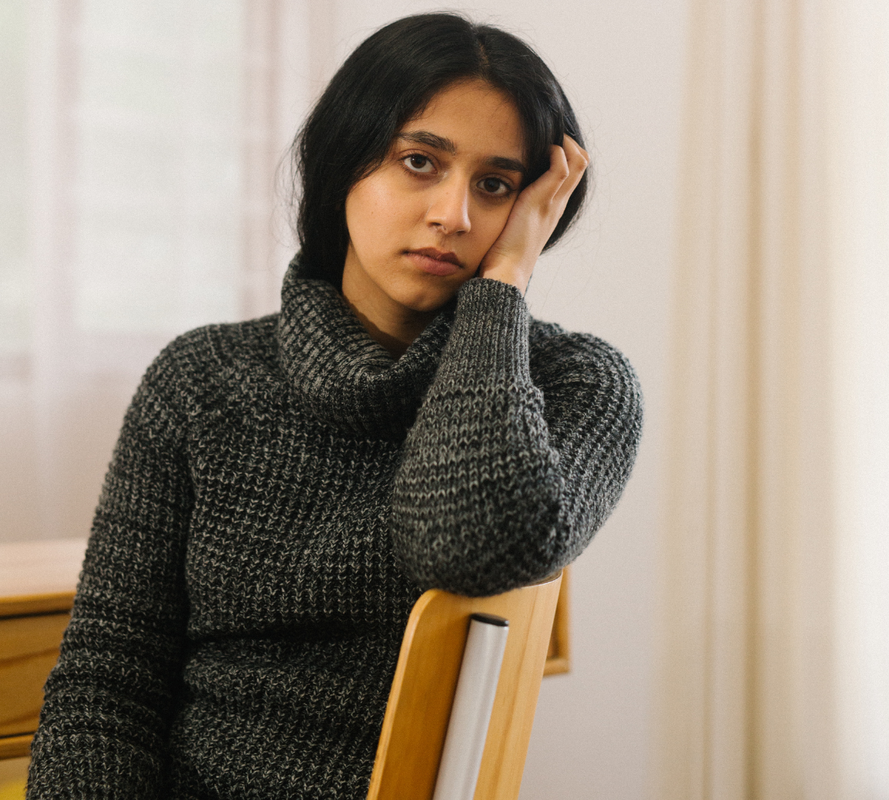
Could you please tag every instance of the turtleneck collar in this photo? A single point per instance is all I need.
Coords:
(340, 374)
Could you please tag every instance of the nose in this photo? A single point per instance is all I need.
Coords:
(449, 207)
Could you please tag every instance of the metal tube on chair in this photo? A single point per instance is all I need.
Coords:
(471, 712)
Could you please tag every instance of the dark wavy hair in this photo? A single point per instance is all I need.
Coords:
(390, 79)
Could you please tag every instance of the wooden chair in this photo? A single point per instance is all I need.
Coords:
(420, 700)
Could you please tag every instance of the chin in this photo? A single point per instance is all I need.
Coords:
(429, 302)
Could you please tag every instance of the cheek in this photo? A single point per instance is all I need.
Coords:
(361, 209)
(495, 222)
(374, 211)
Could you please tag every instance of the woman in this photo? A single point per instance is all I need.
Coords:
(284, 489)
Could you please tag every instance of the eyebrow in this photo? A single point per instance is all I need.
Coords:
(443, 143)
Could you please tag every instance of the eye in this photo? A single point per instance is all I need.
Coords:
(496, 187)
(418, 163)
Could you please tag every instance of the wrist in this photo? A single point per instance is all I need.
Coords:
(517, 275)
(489, 336)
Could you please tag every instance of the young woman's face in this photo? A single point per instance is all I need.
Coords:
(420, 224)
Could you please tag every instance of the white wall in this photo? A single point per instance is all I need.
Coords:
(622, 66)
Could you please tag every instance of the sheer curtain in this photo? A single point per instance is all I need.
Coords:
(776, 600)
(139, 199)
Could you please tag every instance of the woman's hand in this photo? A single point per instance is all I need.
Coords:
(534, 217)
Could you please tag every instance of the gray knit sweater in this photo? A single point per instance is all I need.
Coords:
(282, 492)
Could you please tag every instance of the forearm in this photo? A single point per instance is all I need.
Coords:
(478, 490)
(505, 478)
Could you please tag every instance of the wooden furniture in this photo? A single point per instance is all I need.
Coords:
(558, 655)
(420, 700)
(37, 582)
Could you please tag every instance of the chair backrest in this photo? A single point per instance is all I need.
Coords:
(425, 680)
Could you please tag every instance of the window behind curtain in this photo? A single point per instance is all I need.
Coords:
(138, 148)
(156, 125)
(15, 286)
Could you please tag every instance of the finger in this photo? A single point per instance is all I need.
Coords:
(577, 156)
(578, 160)
(567, 165)
(544, 188)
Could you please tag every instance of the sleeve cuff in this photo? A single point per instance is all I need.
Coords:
(490, 331)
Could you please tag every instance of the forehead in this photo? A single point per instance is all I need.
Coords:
(476, 117)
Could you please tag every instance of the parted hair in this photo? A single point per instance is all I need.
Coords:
(389, 79)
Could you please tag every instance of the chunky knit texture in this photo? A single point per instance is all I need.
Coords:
(281, 494)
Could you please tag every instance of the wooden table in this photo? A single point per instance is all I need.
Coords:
(37, 582)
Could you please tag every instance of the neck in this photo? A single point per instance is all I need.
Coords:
(391, 325)
(394, 335)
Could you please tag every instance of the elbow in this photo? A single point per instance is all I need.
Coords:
(483, 557)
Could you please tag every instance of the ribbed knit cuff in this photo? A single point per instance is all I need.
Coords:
(490, 331)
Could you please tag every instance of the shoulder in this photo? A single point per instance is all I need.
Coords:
(202, 362)
(214, 347)
(583, 372)
(553, 350)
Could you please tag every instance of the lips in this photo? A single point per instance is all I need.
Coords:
(435, 261)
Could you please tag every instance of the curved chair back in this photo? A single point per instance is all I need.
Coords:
(425, 680)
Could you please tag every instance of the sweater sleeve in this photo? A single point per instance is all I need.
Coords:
(108, 702)
(504, 480)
